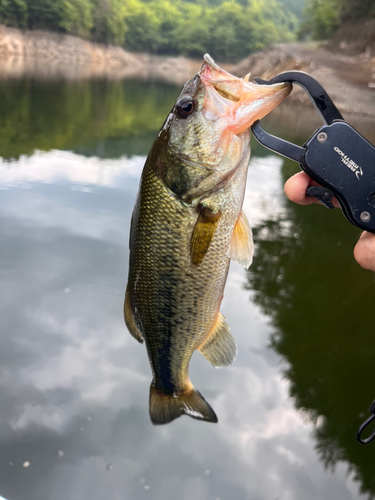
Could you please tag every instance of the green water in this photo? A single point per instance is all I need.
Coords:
(117, 117)
(320, 303)
(74, 383)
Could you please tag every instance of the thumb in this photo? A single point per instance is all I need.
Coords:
(364, 251)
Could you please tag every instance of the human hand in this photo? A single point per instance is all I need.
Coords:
(295, 189)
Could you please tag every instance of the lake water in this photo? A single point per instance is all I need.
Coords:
(74, 384)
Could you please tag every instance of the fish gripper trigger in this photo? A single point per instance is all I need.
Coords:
(336, 156)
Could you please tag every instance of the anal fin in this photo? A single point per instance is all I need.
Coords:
(220, 347)
(129, 318)
(242, 246)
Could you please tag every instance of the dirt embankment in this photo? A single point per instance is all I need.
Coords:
(349, 80)
(54, 55)
(356, 38)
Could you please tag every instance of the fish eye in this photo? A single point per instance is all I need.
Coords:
(185, 106)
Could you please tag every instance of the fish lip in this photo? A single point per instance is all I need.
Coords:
(228, 77)
(223, 77)
(237, 99)
(211, 62)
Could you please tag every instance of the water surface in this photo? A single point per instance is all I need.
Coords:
(74, 384)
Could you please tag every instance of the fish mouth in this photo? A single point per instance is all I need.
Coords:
(236, 100)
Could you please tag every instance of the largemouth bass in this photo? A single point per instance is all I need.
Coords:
(187, 225)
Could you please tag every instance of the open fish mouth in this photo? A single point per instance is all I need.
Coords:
(237, 100)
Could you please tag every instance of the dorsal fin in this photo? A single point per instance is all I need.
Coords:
(129, 318)
(242, 246)
(220, 347)
(203, 233)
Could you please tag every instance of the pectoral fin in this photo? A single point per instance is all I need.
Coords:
(203, 233)
(129, 318)
(220, 347)
(242, 246)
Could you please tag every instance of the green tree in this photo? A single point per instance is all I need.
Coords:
(228, 29)
(43, 14)
(191, 34)
(169, 16)
(142, 28)
(356, 9)
(114, 20)
(76, 16)
(321, 19)
(14, 13)
(294, 6)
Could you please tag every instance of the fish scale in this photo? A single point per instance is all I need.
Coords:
(170, 284)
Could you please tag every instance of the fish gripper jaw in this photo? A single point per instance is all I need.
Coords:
(336, 156)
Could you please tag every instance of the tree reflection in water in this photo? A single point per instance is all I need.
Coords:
(95, 117)
(321, 304)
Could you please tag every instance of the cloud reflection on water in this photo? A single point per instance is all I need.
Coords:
(73, 379)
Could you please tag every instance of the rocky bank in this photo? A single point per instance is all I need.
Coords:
(345, 67)
(54, 55)
(349, 79)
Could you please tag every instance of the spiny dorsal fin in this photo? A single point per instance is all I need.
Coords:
(203, 233)
(167, 407)
(129, 318)
(220, 347)
(242, 246)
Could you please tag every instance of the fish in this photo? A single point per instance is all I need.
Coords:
(187, 225)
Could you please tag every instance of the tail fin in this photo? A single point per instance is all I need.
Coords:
(167, 407)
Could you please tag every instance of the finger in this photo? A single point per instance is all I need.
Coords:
(364, 251)
(295, 189)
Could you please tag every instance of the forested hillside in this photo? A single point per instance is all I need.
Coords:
(323, 18)
(228, 30)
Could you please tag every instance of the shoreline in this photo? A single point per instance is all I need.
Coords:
(348, 80)
(43, 55)
(171, 70)
(48, 55)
